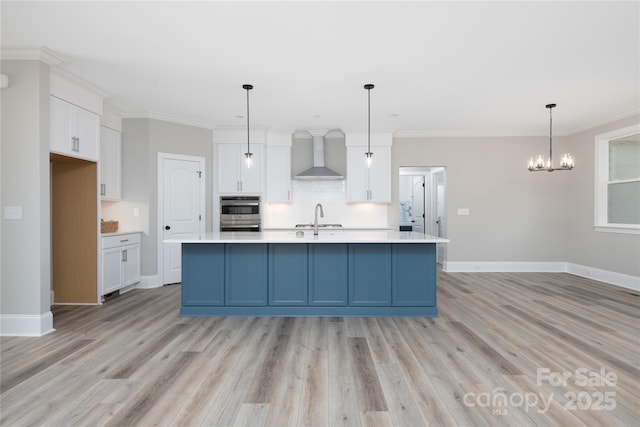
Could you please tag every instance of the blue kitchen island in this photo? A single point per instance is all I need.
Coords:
(337, 273)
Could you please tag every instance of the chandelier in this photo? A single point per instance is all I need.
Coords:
(566, 163)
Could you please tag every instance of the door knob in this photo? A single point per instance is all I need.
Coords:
(167, 227)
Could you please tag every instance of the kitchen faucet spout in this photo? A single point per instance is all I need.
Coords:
(315, 221)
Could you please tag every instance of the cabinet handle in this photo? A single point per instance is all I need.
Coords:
(288, 194)
(240, 182)
(124, 240)
(75, 146)
(124, 255)
(103, 189)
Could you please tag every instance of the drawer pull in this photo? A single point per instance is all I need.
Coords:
(125, 240)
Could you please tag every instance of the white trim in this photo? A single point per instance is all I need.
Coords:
(149, 282)
(31, 54)
(26, 325)
(468, 134)
(160, 210)
(508, 266)
(634, 112)
(610, 277)
(601, 181)
(168, 118)
(631, 229)
(605, 276)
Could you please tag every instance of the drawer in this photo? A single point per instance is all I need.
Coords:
(120, 240)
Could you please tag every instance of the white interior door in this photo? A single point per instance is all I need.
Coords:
(180, 207)
(418, 204)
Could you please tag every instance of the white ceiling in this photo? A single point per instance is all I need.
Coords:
(439, 67)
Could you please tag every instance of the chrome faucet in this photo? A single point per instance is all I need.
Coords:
(315, 221)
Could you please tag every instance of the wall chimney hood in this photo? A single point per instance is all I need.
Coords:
(318, 172)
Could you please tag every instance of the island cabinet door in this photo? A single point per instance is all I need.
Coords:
(414, 274)
(202, 274)
(369, 274)
(245, 273)
(287, 274)
(328, 274)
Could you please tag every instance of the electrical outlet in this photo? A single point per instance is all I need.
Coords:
(136, 211)
(463, 211)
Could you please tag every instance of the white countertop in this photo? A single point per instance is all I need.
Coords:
(325, 236)
(119, 232)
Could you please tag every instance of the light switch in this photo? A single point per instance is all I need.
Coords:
(13, 212)
(136, 211)
(463, 211)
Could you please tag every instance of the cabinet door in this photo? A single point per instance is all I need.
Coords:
(251, 178)
(60, 137)
(278, 174)
(87, 130)
(287, 274)
(357, 175)
(111, 273)
(245, 271)
(110, 164)
(414, 278)
(202, 274)
(228, 162)
(380, 176)
(131, 265)
(369, 274)
(328, 274)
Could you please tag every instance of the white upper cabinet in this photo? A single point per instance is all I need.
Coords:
(110, 164)
(368, 184)
(278, 168)
(232, 173)
(73, 131)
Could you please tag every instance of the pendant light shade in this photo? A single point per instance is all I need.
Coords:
(539, 164)
(369, 154)
(248, 154)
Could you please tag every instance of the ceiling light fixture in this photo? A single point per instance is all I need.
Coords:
(369, 154)
(539, 165)
(248, 154)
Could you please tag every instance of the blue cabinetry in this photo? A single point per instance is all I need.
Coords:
(203, 269)
(287, 274)
(369, 275)
(414, 278)
(245, 274)
(309, 279)
(328, 274)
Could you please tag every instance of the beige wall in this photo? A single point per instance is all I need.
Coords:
(515, 215)
(142, 140)
(26, 265)
(608, 251)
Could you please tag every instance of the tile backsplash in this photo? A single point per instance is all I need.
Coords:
(332, 195)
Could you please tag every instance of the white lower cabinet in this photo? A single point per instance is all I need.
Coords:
(120, 257)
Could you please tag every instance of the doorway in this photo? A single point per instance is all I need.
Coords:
(181, 205)
(422, 199)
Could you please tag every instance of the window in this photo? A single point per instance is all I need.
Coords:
(617, 162)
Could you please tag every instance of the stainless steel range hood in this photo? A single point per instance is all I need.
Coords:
(318, 172)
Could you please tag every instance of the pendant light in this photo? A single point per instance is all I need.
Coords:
(369, 154)
(248, 154)
(566, 162)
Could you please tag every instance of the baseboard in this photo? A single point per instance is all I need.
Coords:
(26, 325)
(605, 276)
(506, 267)
(623, 280)
(149, 282)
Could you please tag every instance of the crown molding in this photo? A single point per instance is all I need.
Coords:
(67, 75)
(627, 114)
(168, 118)
(31, 53)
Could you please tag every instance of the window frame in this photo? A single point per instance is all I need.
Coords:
(601, 175)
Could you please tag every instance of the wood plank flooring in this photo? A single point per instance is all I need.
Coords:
(496, 356)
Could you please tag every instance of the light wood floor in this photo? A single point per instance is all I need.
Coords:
(501, 341)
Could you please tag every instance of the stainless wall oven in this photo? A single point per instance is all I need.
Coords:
(240, 213)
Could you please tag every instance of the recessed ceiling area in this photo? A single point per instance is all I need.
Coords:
(438, 67)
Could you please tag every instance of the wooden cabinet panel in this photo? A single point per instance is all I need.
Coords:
(369, 274)
(287, 274)
(245, 272)
(328, 274)
(414, 278)
(203, 272)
